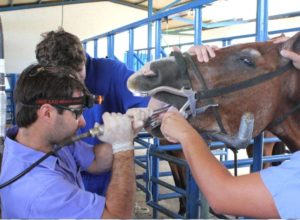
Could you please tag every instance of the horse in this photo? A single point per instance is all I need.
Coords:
(251, 80)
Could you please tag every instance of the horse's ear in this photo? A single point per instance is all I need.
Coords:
(293, 43)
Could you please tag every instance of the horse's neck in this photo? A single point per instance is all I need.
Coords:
(289, 131)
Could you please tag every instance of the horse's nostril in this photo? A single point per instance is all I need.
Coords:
(151, 75)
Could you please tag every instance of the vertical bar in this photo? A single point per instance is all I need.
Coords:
(198, 26)
(131, 48)
(192, 208)
(110, 46)
(96, 48)
(149, 42)
(3, 98)
(157, 38)
(262, 20)
(155, 174)
(258, 153)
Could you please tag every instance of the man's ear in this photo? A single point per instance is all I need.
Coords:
(45, 111)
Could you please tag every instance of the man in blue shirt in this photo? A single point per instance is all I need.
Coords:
(49, 105)
(105, 77)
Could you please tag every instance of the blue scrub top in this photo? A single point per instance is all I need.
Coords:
(53, 189)
(108, 78)
(283, 182)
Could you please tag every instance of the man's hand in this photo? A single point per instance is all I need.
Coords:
(204, 52)
(118, 131)
(287, 53)
(292, 56)
(139, 117)
(174, 126)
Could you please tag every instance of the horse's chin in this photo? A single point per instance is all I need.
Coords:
(155, 132)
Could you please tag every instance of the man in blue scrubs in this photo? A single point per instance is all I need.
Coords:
(105, 77)
(49, 105)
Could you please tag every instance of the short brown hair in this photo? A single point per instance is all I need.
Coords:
(42, 82)
(60, 48)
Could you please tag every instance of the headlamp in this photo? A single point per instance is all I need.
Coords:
(87, 101)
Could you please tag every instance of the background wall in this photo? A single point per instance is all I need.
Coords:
(23, 28)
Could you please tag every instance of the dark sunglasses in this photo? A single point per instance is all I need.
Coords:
(76, 111)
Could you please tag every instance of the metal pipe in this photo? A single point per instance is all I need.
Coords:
(3, 101)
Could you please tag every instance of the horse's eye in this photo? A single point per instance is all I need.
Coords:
(247, 61)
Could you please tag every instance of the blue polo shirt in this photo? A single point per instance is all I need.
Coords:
(53, 189)
(283, 182)
(108, 78)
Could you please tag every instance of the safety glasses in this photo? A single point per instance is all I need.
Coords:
(76, 111)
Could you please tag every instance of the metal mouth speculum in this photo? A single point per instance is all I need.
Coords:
(154, 121)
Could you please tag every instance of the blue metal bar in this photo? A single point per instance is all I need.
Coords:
(162, 52)
(96, 48)
(198, 26)
(131, 49)
(246, 162)
(258, 153)
(168, 158)
(262, 20)
(236, 37)
(155, 174)
(157, 16)
(169, 186)
(110, 46)
(165, 211)
(192, 210)
(138, 59)
(141, 164)
(157, 39)
(140, 186)
(169, 196)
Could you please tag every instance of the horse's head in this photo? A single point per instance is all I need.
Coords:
(223, 81)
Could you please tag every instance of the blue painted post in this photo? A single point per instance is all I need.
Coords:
(149, 42)
(110, 46)
(198, 26)
(261, 35)
(192, 206)
(262, 20)
(96, 48)
(155, 174)
(258, 153)
(157, 38)
(131, 49)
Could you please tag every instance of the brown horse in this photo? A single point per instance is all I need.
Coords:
(250, 79)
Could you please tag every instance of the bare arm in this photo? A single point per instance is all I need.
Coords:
(243, 196)
(119, 131)
(121, 191)
(103, 159)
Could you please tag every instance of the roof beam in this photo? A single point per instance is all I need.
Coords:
(41, 4)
